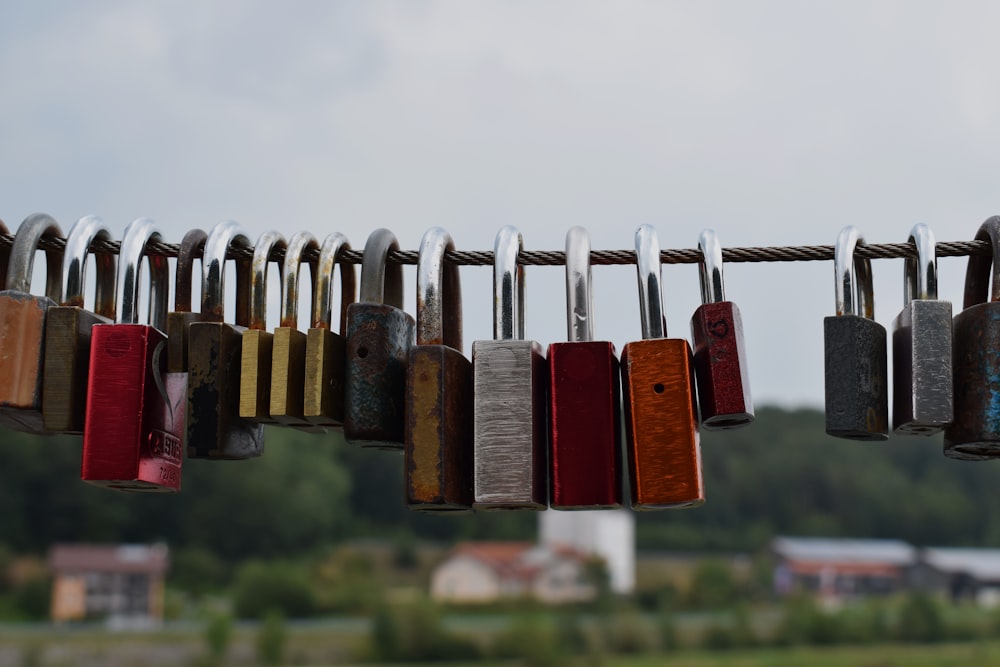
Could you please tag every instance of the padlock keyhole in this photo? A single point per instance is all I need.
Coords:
(362, 352)
(658, 387)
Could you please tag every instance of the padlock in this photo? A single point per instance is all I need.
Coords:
(68, 328)
(215, 430)
(133, 437)
(509, 377)
(258, 342)
(974, 434)
(585, 469)
(720, 358)
(181, 317)
(22, 325)
(379, 336)
(323, 400)
(288, 365)
(857, 406)
(922, 388)
(438, 444)
(663, 446)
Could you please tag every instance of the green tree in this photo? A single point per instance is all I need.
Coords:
(921, 620)
(271, 640)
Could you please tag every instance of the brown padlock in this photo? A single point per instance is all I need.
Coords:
(178, 320)
(258, 342)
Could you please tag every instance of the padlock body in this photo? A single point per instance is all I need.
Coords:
(975, 432)
(215, 429)
(323, 400)
(255, 376)
(438, 442)
(922, 386)
(857, 405)
(177, 340)
(22, 350)
(378, 341)
(585, 458)
(288, 371)
(66, 367)
(720, 366)
(663, 447)
(509, 425)
(133, 437)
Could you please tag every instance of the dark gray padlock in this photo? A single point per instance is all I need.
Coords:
(975, 432)
(856, 367)
(379, 337)
(510, 427)
(921, 347)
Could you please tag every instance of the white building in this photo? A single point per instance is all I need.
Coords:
(609, 534)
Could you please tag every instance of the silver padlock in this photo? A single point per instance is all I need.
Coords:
(509, 404)
(922, 394)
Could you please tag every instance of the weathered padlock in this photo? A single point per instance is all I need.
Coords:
(585, 469)
(133, 437)
(438, 446)
(68, 328)
(22, 325)
(288, 365)
(922, 388)
(975, 432)
(510, 470)
(215, 429)
(857, 406)
(181, 317)
(661, 415)
(720, 359)
(379, 336)
(258, 342)
(323, 400)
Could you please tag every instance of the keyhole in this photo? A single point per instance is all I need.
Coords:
(362, 352)
(658, 387)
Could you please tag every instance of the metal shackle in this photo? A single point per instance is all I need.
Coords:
(381, 282)
(579, 295)
(84, 232)
(920, 279)
(297, 247)
(853, 288)
(329, 254)
(977, 275)
(713, 289)
(22, 256)
(508, 285)
(647, 262)
(193, 242)
(439, 292)
(223, 236)
(137, 235)
(266, 243)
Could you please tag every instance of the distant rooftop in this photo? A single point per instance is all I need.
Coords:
(844, 550)
(983, 564)
(122, 558)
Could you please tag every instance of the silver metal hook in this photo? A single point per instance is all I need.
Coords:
(137, 236)
(222, 236)
(333, 245)
(82, 235)
(579, 295)
(439, 296)
(22, 256)
(508, 285)
(381, 282)
(297, 246)
(920, 274)
(266, 243)
(713, 289)
(853, 289)
(647, 261)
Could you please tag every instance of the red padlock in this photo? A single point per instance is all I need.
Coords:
(585, 445)
(133, 437)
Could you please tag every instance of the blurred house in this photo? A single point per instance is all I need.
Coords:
(480, 572)
(961, 574)
(122, 584)
(607, 535)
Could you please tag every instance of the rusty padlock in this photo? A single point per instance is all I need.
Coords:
(720, 358)
(379, 336)
(661, 414)
(215, 430)
(68, 328)
(133, 438)
(258, 342)
(22, 325)
(181, 317)
(510, 471)
(584, 399)
(323, 400)
(438, 446)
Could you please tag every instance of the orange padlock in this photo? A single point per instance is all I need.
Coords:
(661, 412)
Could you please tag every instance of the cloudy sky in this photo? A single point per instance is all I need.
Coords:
(775, 124)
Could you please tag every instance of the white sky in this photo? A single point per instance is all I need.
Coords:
(775, 124)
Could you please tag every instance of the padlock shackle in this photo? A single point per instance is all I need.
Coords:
(439, 292)
(137, 235)
(579, 294)
(266, 244)
(82, 235)
(192, 244)
(920, 277)
(647, 262)
(223, 236)
(853, 288)
(381, 282)
(508, 285)
(22, 256)
(297, 247)
(713, 289)
(333, 245)
(977, 274)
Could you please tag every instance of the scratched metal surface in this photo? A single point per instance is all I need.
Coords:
(323, 400)
(66, 363)
(720, 366)
(856, 373)
(975, 432)
(922, 396)
(288, 369)
(22, 348)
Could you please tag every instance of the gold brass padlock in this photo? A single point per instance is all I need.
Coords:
(255, 366)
